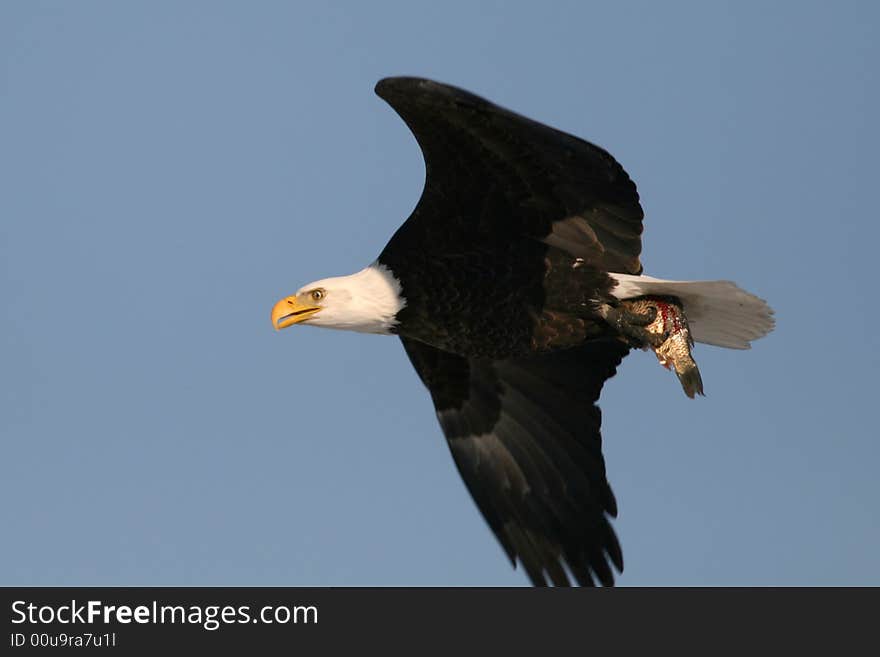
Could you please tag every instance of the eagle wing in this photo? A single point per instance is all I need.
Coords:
(491, 172)
(525, 436)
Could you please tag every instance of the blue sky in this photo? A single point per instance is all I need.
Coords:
(169, 170)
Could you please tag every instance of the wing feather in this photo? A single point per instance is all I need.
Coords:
(491, 172)
(525, 437)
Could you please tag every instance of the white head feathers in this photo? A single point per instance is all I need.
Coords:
(366, 301)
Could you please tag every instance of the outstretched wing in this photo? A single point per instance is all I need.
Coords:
(525, 436)
(491, 172)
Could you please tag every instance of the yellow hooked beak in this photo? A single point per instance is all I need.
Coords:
(290, 311)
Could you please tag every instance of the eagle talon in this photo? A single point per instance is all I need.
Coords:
(641, 319)
(632, 325)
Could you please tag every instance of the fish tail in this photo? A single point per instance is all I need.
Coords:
(689, 376)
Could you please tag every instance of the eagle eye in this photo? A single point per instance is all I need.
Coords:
(317, 295)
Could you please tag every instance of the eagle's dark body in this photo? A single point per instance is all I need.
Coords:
(463, 303)
(503, 265)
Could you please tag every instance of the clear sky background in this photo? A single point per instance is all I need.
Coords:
(168, 170)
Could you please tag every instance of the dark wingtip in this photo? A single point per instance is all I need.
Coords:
(398, 84)
(612, 548)
(423, 89)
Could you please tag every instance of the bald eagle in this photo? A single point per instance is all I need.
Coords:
(506, 287)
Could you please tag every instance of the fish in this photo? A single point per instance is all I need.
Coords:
(675, 351)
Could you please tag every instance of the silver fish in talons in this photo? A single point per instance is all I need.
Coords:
(675, 351)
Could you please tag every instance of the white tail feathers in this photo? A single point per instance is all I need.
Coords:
(718, 312)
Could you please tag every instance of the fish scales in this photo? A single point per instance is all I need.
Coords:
(675, 351)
